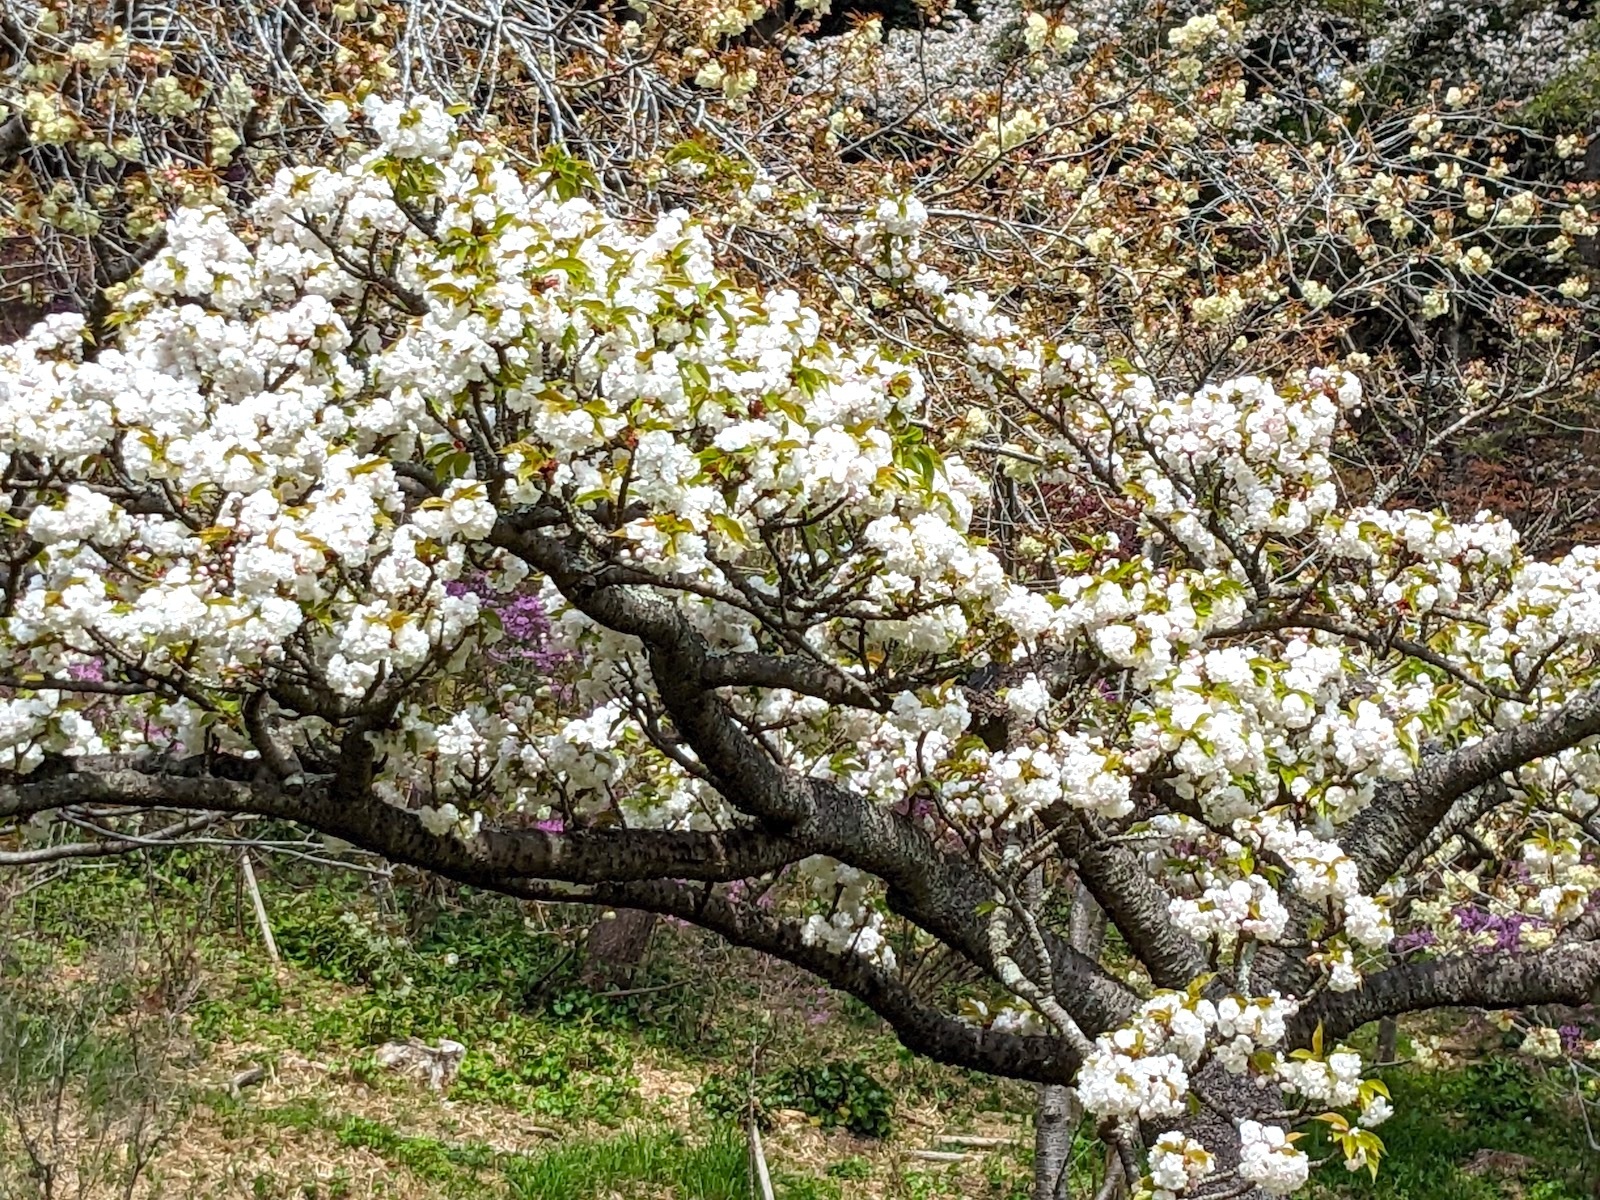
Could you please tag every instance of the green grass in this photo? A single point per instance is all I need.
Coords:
(472, 976)
(362, 971)
(633, 1163)
(529, 1062)
(1444, 1119)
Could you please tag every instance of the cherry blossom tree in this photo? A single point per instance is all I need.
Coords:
(416, 412)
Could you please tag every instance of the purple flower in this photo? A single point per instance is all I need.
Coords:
(93, 671)
(523, 619)
(553, 825)
(1417, 939)
(1507, 931)
(738, 892)
(1571, 1035)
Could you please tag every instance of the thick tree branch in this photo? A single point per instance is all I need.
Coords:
(1381, 837)
(494, 853)
(921, 1028)
(1566, 974)
(1135, 902)
(809, 678)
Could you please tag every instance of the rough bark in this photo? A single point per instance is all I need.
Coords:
(1563, 974)
(1058, 1112)
(615, 947)
(1135, 903)
(1225, 1100)
(1058, 1115)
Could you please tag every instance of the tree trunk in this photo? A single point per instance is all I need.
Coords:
(615, 947)
(1056, 1123)
(1059, 1114)
(1231, 1098)
(1388, 1039)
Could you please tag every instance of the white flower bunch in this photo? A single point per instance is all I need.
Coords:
(1269, 1160)
(1177, 1164)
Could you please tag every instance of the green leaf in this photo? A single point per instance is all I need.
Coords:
(731, 529)
(568, 177)
(454, 465)
(808, 380)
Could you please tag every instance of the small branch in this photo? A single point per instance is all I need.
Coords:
(640, 991)
(261, 908)
(939, 1156)
(115, 844)
(758, 1161)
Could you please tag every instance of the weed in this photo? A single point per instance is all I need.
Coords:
(919, 1185)
(853, 1167)
(834, 1093)
(84, 1104)
(797, 1187)
(843, 1094)
(634, 1161)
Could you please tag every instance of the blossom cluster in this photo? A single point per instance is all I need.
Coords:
(1143, 1068)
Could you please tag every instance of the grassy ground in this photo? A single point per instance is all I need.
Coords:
(137, 1007)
